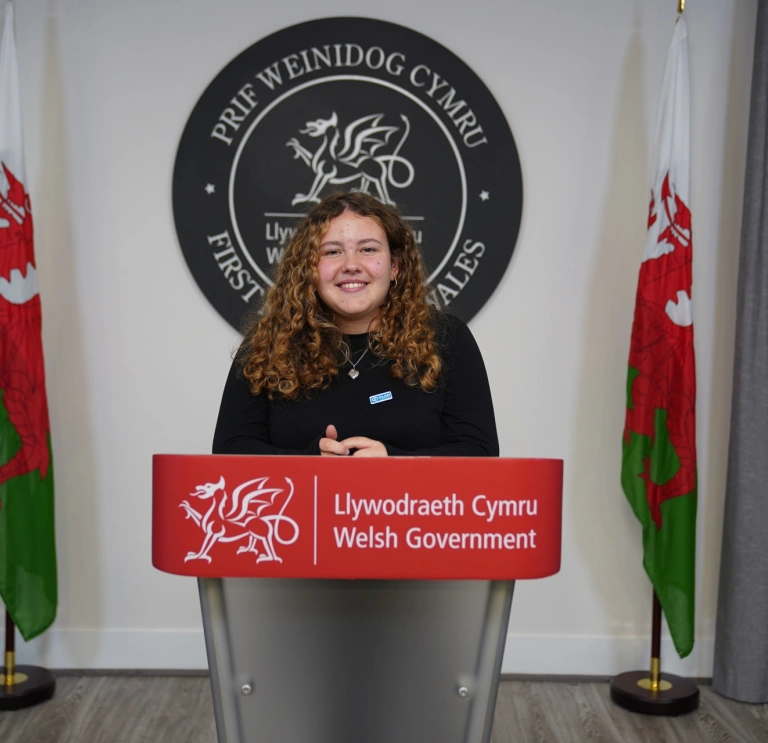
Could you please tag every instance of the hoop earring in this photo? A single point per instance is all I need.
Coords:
(395, 286)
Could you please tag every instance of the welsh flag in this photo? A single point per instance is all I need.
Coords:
(658, 471)
(27, 544)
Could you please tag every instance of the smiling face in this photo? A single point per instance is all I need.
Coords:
(354, 271)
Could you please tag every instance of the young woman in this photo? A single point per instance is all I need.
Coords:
(347, 358)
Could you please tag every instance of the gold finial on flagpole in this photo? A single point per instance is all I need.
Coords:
(680, 6)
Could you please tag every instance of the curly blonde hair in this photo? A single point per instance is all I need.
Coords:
(292, 345)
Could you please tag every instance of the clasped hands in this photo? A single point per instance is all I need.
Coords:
(330, 446)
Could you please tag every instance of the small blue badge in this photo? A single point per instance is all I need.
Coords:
(383, 396)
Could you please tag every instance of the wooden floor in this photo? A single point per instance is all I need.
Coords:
(165, 709)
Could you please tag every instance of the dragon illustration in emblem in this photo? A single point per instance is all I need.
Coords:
(354, 155)
(22, 378)
(662, 347)
(253, 512)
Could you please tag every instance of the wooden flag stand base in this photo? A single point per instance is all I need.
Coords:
(22, 686)
(655, 693)
(675, 695)
(31, 686)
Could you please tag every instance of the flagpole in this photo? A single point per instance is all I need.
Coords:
(22, 686)
(659, 475)
(656, 641)
(28, 568)
(10, 651)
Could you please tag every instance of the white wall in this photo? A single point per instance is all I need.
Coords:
(136, 357)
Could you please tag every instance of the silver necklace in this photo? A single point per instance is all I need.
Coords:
(353, 372)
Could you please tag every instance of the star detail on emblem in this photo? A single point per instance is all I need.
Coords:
(484, 195)
(210, 188)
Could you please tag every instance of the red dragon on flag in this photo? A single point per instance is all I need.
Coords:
(22, 378)
(661, 352)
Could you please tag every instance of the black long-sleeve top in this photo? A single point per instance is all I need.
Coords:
(455, 420)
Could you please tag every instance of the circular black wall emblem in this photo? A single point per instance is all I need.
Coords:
(351, 104)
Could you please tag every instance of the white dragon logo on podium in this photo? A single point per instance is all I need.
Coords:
(254, 512)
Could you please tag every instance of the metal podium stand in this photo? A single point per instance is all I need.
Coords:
(343, 643)
(369, 661)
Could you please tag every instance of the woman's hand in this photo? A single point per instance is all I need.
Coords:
(365, 447)
(330, 446)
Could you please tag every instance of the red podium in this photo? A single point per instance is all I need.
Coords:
(391, 580)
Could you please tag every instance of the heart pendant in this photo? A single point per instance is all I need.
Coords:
(354, 373)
